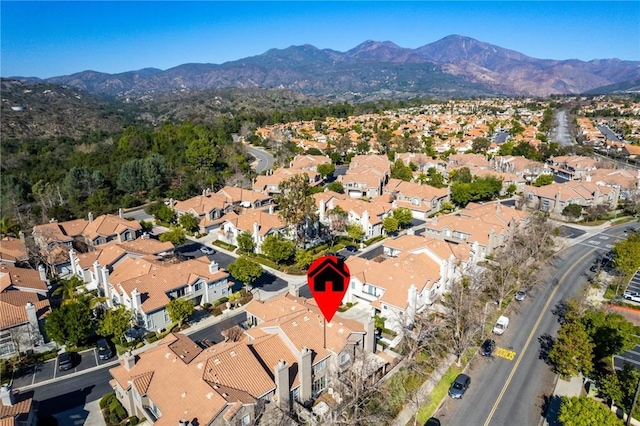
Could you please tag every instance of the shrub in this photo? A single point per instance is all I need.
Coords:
(206, 306)
(107, 400)
(216, 311)
(132, 421)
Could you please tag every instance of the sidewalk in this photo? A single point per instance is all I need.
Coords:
(407, 413)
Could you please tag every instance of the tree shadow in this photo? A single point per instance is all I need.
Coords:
(550, 407)
(546, 344)
(560, 310)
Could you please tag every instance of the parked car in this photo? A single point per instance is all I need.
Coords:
(487, 348)
(338, 255)
(351, 249)
(520, 295)
(432, 422)
(459, 386)
(207, 250)
(65, 361)
(501, 325)
(104, 349)
(634, 296)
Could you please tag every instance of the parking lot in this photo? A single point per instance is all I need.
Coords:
(634, 283)
(632, 356)
(49, 369)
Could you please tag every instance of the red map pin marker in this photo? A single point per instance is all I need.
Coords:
(328, 278)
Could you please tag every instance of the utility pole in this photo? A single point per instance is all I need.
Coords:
(633, 405)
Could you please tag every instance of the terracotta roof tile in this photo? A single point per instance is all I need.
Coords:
(13, 250)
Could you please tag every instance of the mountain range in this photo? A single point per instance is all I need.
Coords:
(454, 66)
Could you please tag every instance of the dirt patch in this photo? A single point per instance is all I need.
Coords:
(632, 315)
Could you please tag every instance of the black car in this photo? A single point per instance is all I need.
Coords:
(65, 361)
(459, 386)
(487, 348)
(338, 255)
(352, 249)
(432, 421)
(104, 349)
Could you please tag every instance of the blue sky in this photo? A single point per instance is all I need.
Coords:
(45, 39)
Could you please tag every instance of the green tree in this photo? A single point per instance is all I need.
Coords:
(156, 172)
(585, 411)
(572, 351)
(610, 333)
(626, 254)
(463, 174)
(162, 212)
(246, 243)
(326, 169)
(70, 324)
(435, 178)
(245, 270)
(336, 186)
(115, 322)
(480, 145)
(355, 232)
(390, 224)
(572, 210)
(131, 177)
(400, 171)
(146, 226)
(543, 180)
(175, 235)
(179, 310)
(511, 189)
(189, 222)
(68, 289)
(81, 182)
(277, 248)
(461, 193)
(404, 216)
(304, 258)
(295, 204)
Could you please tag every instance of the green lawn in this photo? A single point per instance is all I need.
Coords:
(438, 394)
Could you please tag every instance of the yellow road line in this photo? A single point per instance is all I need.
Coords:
(533, 331)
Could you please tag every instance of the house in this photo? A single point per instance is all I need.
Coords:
(17, 408)
(507, 179)
(572, 167)
(269, 184)
(395, 288)
(146, 286)
(422, 161)
(13, 250)
(287, 358)
(467, 160)
(94, 266)
(257, 223)
(555, 197)
(627, 180)
(23, 306)
(366, 176)
(519, 166)
(422, 200)
(483, 227)
(54, 234)
(309, 162)
(368, 214)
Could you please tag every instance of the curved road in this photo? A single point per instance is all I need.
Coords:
(265, 160)
(504, 392)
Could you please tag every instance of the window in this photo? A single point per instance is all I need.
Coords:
(320, 366)
(149, 323)
(246, 420)
(319, 385)
(416, 202)
(136, 395)
(166, 316)
(209, 286)
(6, 344)
(295, 394)
(369, 289)
(198, 287)
(344, 358)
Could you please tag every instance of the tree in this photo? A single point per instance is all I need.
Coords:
(146, 226)
(245, 270)
(463, 174)
(277, 248)
(163, 213)
(336, 186)
(131, 177)
(435, 178)
(179, 310)
(610, 333)
(326, 169)
(189, 222)
(626, 254)
(355, 232)
(572, 210)
(543, 180)
(572, 351)
(245, 242)
(390, 224)
(115, 322)
(68, 289)
(70, 324)
(295, 204)
(585, 411)
(461, 193)
(175, 235)
(511, 189)
(480, 145)
(81, 182)
(304, 258)
(400, 171)
(404, 216)
(156, 172)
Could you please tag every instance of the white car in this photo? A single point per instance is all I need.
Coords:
(501, 325)
(207, 250)
(634, 296)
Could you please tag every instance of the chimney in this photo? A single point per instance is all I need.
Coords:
(129, 360)
(43, 273)
(121, 213)
(370, 342)
(213, 267)
(21, 235)
(171, 203)
(256, 231)
(104, 272)
(6, 394)
(394, 204)
(294, 290)
(271, 209)
(322, 210)
(304, 365)
(281, 376)
(183, 422)
(410, 231)
(498, 206)
(90, 216)
(204, 192)
(136, 299)
(434, 220)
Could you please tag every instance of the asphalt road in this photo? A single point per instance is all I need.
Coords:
(560, 133)
(71, 393)
(265, 160)
(505, 392)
